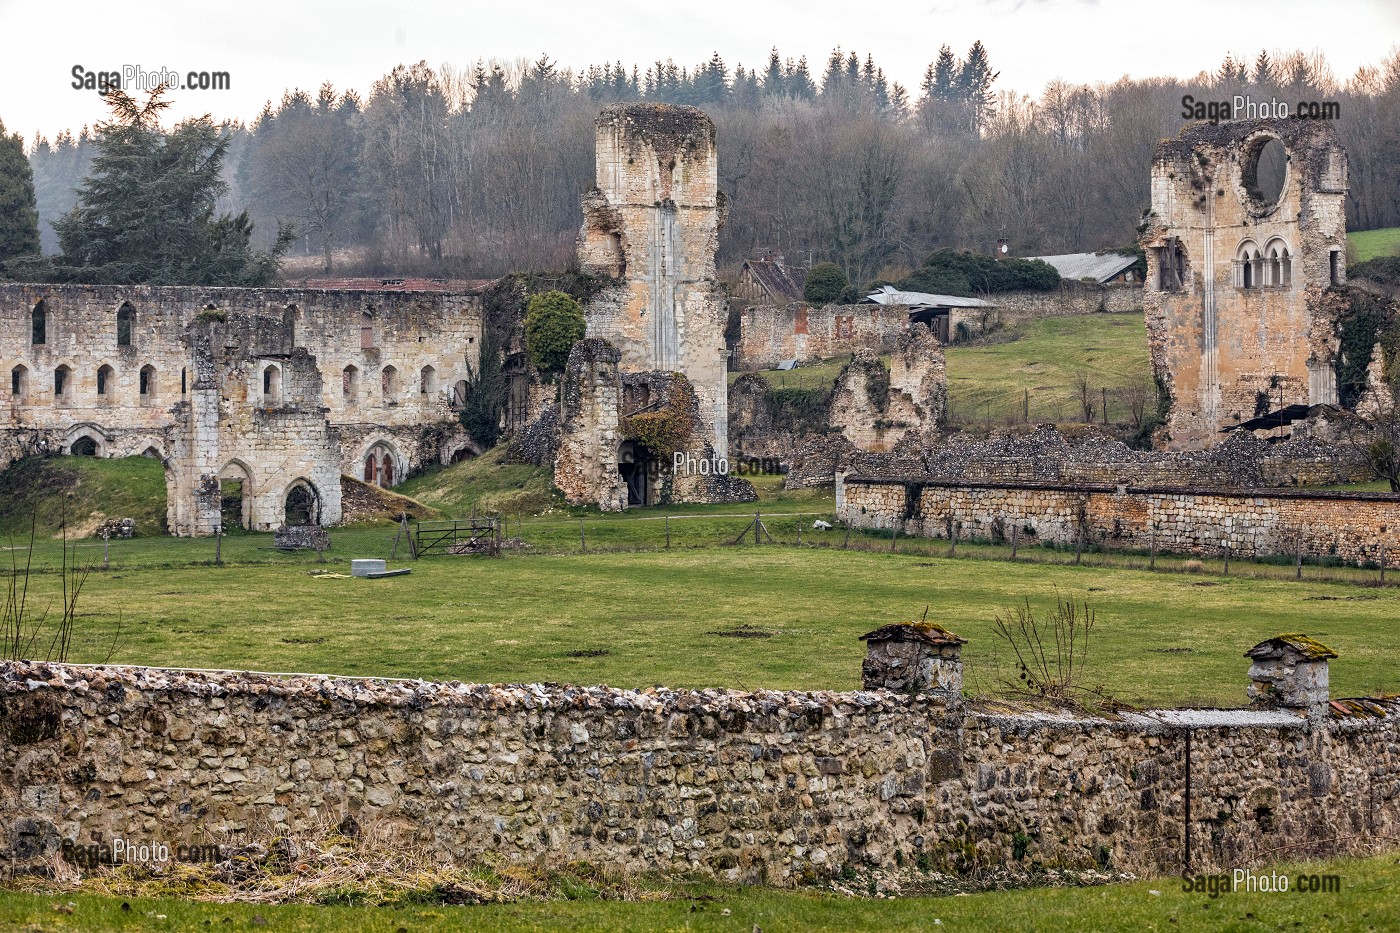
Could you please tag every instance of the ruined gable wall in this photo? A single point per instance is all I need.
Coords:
(763, 787)
(653, 222)
(1215, 344)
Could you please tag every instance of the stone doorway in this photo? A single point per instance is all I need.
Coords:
(639, 470)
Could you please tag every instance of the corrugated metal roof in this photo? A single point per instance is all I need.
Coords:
(1079, 266)
(888, 295)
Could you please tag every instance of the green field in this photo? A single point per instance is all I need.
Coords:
(702, 614)
(1368, 244)
(1366, 902)
(1041, 361)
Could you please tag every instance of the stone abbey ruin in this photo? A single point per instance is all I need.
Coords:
(267, 397)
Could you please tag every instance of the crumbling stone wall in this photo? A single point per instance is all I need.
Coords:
(652, 224)
(877, 406)
(354, 370)
(1069, 299)
(590, 431)
(769, 334)
(1233, 292)
(748, 787)
(1250, 522)
(603, 429)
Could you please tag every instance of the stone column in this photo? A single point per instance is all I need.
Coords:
(913, 657)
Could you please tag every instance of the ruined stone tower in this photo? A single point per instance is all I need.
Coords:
(652, 223)
(1235, 272)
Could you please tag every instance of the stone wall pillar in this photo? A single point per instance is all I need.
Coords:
(1289, 670)
(913, 657)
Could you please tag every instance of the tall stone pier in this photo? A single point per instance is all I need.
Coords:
(652, 224)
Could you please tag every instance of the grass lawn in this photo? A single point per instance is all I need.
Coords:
(989, 379)
(1366, 902)
(1368, 244)
(634, 618)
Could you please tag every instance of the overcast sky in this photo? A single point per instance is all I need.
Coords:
(270, 46)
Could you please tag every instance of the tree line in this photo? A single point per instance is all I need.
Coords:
(478, 171)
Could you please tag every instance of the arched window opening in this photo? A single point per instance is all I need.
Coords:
(84, 447)
(366, 331)
(459, 394)
(1285, 268)
(389, 384)
(152, 453)
(126, 318)
(19, 382)
(427, 382)
(272, 387)
(350, 385)
(148, 383)
(379, 465)
(1248, 266)
(1334, 274)
(105, 388)
(302, 505)
(39, 324)
(62, 384)
(290, 317)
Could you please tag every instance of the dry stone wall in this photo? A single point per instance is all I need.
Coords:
(1249, 522)
(748, 787)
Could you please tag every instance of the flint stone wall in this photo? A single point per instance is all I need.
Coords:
(1250, 522)
(754, 787)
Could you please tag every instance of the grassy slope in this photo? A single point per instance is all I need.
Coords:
(1045, 356)
(87, 490)
(990, 379)
(1368, 244)
(1366, 902)
(485, 484)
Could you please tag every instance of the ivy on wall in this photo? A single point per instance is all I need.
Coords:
(1366, 320)
(667, 430)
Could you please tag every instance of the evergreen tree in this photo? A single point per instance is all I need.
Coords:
(773, 77)
(19, 213)
(943, 86)
(974, 86)
(798, 81)
(145, 213)
(1264, 70)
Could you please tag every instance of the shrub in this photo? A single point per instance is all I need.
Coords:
(825, 284)
(963, 273)
(553, 324)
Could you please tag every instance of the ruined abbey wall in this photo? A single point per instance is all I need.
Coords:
(747, 787)
(1354, 527)
(652, 224)
(1233, 292)
(267, 386)
(769, 334)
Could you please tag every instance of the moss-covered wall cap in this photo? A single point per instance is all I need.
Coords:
(1310, 649)
(926, 632)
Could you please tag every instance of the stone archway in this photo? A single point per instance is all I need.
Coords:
(302, 505)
